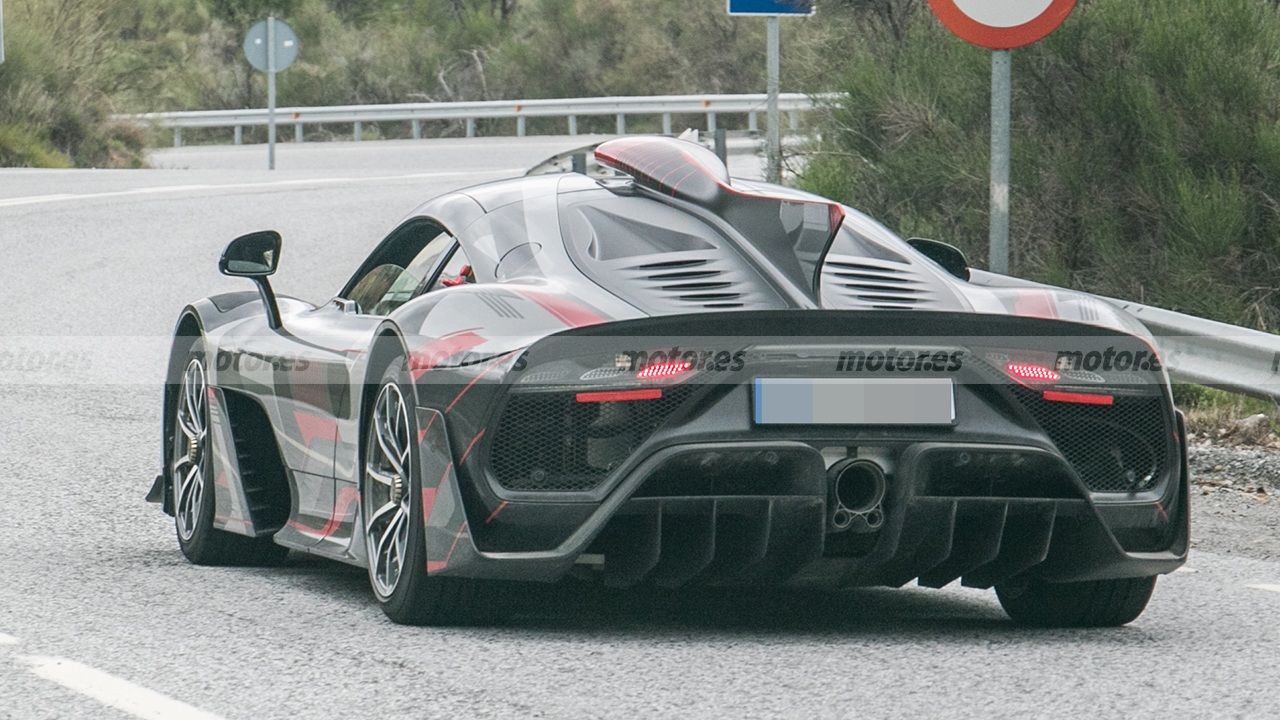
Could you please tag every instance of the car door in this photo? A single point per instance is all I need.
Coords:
(317, 398)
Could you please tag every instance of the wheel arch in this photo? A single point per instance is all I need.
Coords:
(388, 344)
(189, 326)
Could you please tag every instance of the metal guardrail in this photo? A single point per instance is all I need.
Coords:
(1193, 349)
(570, 109)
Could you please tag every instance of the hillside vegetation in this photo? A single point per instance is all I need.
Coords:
(1147, 147)
(74, 62)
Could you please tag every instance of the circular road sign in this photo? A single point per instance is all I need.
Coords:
(1002, 24)
(255, 46)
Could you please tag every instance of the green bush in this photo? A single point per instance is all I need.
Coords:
(412, 50)
(20, 147)
(56, 86)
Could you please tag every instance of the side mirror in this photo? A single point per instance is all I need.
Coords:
(948, 256)
(252, 256)
(256, 256)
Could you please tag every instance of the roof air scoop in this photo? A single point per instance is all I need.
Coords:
(677, 168)
(794, 233)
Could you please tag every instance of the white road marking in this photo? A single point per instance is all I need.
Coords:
(8, 639)
(303, 182)
(1185, 569)
(1264, 586)
(113, 691)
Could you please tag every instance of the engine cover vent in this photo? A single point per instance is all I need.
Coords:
(659, 259)
(869, 283)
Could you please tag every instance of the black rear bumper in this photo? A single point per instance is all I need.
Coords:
(632, 538)
(696, 491)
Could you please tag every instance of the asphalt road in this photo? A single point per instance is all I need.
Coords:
(101, 617)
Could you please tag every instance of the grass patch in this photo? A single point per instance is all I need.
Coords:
(1220, 416)
(21, 147)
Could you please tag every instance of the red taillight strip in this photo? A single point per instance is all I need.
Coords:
(1032, 372)
(1078, 398)
(619, 395)
(664, 370)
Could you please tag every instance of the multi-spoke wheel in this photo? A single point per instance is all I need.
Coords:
(190, 474)
(392, 505)
(387, 504)
(192, 440)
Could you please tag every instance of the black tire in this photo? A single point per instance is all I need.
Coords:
(199, 540)
(416, 598)
(1097, 603)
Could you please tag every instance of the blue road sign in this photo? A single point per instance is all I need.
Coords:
(770, 7)
(255, 46)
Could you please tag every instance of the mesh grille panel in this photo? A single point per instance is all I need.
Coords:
(549, 442)
(1119, 448)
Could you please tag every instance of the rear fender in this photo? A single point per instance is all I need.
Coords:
(205, 319)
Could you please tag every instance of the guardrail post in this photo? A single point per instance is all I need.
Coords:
(358, 131)
(793, 120)
(711, 122)
(417, 129)
(239, 135)
(753, 122)
(573, 124)
(520, 126)
(620, 127)
(722, 145)
(579, 163)
(177, 137)
(298, 135)
(471, 127)
(666, 123)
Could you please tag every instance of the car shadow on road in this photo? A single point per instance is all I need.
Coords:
(909, 614)
(574, 608)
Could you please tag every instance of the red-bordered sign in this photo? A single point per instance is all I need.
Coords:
(1002, 24)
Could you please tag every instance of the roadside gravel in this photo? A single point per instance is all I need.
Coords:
(1235, 500)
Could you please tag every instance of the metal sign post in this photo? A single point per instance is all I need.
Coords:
(773, 154)
(271, 47)
(773, 11)
(271, 92)
(1000, 26)
(1, 32)
(1001, 119)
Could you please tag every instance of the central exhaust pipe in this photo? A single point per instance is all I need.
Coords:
(857, 489)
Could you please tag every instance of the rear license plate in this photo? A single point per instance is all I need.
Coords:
(854, 401)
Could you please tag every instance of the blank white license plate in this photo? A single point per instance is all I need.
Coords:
(854, 401)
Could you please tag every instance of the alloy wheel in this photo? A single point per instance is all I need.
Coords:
(387, 487)
(191, 447)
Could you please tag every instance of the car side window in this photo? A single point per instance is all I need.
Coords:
(388, 284)
(457, 271)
